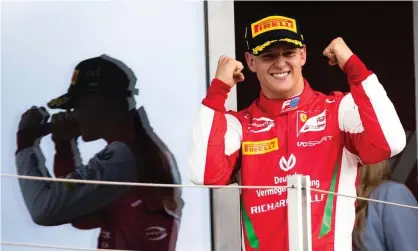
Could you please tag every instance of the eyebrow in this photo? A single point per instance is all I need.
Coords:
(274, 52)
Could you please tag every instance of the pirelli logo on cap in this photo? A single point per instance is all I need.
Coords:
(75, 76)
(273, 23)
(259, 147)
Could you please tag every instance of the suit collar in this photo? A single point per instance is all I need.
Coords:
(278, 107)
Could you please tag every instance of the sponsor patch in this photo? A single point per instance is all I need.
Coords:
(259, 147)
(262, 124)
(273, 23)
(290, 104)
(155, 233)
(287, 164)
(312, 123)
(74, 78)
(303, 117)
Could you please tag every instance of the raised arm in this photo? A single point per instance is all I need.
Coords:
(65, 132)
(56, 203)
(217, 134)
(366, 116)
(66, 159)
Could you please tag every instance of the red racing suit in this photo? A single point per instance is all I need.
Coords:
(140, 219)
(324, 136)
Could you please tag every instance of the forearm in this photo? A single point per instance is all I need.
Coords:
(66, 158)
(380, 124)
(215, 145)
(54, 203)
(38, 195)
(24, 139)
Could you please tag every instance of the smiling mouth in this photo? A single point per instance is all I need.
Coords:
(280, 75)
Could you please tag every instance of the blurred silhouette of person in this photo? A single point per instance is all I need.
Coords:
(99, 104)
(384, 227)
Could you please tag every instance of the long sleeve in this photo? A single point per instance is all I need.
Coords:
(56, 203)
(67, 158)
(368, 118)
(216, 139)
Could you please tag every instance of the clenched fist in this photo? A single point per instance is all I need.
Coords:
(338, 52)
(31, 127)
(32, 118)
(229, 71)
(64, 127)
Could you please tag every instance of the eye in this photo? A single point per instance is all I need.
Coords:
(289, 53)
(268, 56)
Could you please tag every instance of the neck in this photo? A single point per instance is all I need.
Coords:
(119, 129)
(280, 106)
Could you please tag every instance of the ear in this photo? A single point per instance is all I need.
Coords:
(250, 61)
(303, 55)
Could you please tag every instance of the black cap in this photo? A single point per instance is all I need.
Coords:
(99, 74)
(271, 30)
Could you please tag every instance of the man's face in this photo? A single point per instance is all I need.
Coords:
(279, 70)
(89, 111)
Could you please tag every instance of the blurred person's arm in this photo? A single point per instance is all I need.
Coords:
(65, 132)
(367, 116)
(66, 161)
(400, 224)
(56, 203)
(66, 158)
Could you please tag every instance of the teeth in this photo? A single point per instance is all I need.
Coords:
(281, 75)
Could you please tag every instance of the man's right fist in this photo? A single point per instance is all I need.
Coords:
(229, 71)
(64, 127)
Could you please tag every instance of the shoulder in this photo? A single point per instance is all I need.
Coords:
(394, 192)
(115, 153)
(238, 118)
(329, 101)
(339, 97)
(389, 188)
(250, 112)
(115, 162)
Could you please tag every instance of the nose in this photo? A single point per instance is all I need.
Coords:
(280, 62)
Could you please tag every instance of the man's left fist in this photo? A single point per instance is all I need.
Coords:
(338, 52)
(33, 117)
(31, 126)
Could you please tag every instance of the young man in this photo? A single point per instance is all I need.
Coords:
(130, 218)
(293, 129)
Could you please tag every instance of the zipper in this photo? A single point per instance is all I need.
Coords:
(287, 136)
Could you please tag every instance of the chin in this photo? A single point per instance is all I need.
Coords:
(282, 87)
(88, 138)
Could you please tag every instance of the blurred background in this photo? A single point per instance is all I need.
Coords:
(163, 43)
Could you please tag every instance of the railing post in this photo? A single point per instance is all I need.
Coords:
(299, 213)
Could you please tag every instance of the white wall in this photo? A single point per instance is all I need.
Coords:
(162, 41)
(226, 201)
(415, 15)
